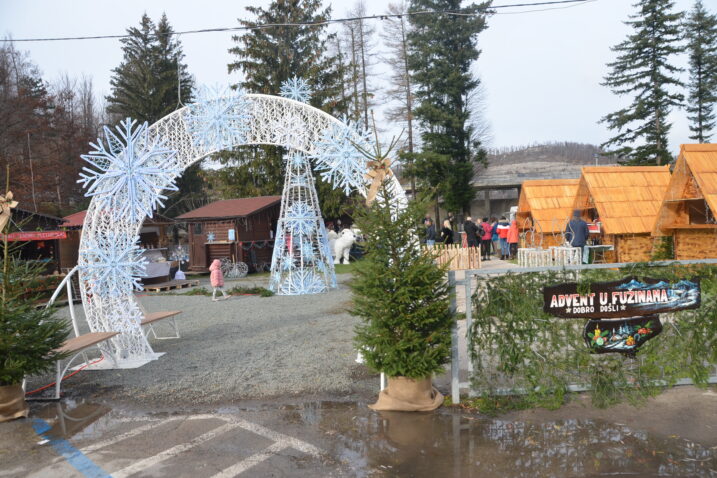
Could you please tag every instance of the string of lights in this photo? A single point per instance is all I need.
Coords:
(454, 13)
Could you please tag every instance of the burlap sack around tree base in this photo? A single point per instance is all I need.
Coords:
(408, 395)
(12, 403)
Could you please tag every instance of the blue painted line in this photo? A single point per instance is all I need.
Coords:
(73, 456)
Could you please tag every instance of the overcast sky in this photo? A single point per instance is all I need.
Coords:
(541, 71)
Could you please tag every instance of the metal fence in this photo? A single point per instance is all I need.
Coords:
(465, 287)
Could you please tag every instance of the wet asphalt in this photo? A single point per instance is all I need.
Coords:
(332, 438)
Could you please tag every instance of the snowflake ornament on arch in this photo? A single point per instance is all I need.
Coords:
(131, 171)
(301, 219)
(296, 89)
(114, 264)
(338, 159)
(219, 119)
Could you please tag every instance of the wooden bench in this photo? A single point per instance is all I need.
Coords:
(75, 347)
(151, 317)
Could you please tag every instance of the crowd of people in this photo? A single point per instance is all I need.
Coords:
(494, 237)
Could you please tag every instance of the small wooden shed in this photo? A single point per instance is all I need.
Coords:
(153, 235)
(688, 211)
(238, 229)
(545, 206)
(625, 201)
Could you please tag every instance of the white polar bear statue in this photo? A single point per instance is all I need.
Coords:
(332, 241)
(343, 244)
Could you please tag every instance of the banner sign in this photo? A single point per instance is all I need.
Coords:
(628, 297)
(623, 335)
(35, 236)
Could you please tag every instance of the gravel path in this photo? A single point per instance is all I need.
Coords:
(246, 347)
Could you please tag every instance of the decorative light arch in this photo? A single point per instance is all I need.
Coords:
(125, 192)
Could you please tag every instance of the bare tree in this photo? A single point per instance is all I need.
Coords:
(359, 35)
(400, 92)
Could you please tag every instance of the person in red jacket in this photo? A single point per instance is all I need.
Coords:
(486, 239)
(513, 237)
(503, 226)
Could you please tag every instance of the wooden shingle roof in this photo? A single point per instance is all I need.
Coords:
(548, 201)
(627, 198)
(229, 208)
(695, 178)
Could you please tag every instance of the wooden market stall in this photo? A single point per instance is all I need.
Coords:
(238, 229)
(153, 237)
(545, 207)
(688, 210)
(624, 201)
(38, 237)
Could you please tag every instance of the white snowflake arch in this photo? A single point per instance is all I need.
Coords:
(172, 144)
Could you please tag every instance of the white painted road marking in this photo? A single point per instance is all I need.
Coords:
(138, 466)
(280, 442)
(250, 461)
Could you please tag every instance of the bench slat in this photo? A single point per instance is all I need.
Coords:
(83, 341)
(155, 316)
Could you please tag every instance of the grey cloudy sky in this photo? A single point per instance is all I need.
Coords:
(541, 70)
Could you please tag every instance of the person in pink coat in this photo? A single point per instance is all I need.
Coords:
(217, 279)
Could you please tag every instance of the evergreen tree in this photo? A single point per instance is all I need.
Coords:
(701, 32)
(145, 85)
(643, 70)
(442, 49)
(400, 294)
(267, 57)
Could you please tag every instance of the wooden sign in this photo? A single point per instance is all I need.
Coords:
(628, 297)
(621, 335)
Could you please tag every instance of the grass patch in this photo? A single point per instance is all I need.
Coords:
(236, 290)
(495, 405)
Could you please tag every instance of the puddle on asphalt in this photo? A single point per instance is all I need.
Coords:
(446, 443)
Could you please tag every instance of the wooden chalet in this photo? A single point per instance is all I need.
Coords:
(545, 207)
(689, 207)
(624, 200)
(153, 235)
(38, 236)
(238, 229)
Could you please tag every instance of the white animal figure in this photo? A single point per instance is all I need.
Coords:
(332, 240)
(343, 245)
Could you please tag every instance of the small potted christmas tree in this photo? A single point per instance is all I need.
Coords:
(402, 297)
(28, 334)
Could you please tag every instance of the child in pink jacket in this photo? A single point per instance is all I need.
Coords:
(217, 279)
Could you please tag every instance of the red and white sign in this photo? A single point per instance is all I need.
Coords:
(35, 236)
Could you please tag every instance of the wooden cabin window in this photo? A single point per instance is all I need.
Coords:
(699, 212)
(197, 228)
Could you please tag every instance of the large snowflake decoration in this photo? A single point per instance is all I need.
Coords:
(289, 131)
(219, 119)
(297, 89)
(114, 264)
(307, 252)
(302, 281)
(339, 160)
(301, 219)
(131, 171)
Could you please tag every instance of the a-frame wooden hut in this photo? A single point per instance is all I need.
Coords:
(625, 201)
(544, 207)
(690, 203)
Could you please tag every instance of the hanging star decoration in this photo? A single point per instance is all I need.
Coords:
(296, 89)
(219, 119)
(113, 263)
(211, 236)
(6, 206)
(339, 160)
(131, 171)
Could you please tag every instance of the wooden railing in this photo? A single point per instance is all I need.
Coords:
(457, 257)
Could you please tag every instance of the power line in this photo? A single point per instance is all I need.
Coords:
(454, 13)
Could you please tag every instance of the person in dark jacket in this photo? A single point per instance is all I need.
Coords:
(471, 230)
(430, 233)
(447, 233)
(576, 233)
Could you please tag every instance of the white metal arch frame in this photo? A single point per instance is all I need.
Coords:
(108, 245)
